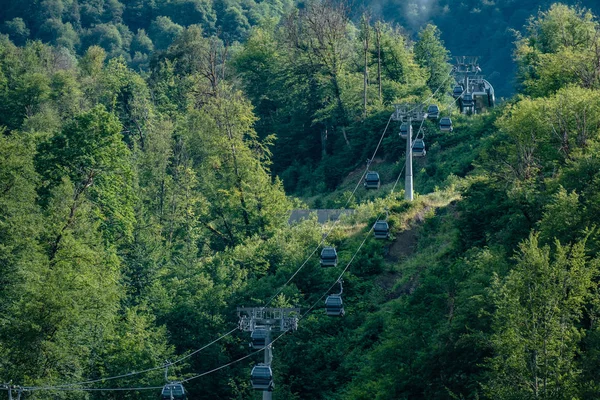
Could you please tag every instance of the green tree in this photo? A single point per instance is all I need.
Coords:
(316, 37)
(431, 54)
(142, 43)
(19, 215)
(163, 31)
(17, 30)
(536, 333)
(90, 152)
(558, 50)
(232, 170)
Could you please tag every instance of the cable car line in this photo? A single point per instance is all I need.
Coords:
(133, 373)
(70, 386)
(337, 220)
(318, 301)
(434, 93)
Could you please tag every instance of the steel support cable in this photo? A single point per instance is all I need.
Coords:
(434, 93)
(336, 221)
(350, 196)
(133, 373)
(309, 309)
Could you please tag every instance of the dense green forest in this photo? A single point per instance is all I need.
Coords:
(151, 152)
(136, 29)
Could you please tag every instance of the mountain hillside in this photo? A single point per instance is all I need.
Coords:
(140, 206)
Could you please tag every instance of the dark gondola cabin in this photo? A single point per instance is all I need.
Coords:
(329, 257)
(173, 391)
(381, 230)
(259, 338)
(262, 378)
(334, 307)
(372, 180)
(467, 102)
(405, 128)
(446, 124)
(418, 149)
(433, 111)
(457, 91)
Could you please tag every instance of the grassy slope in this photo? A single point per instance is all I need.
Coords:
(448, 155)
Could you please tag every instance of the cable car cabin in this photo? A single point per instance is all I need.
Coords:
(329, 257)
(457, 91)
(259, 338)
(467, 103)
(433, 111)
(381, 229)
(467, 100)
(372, 180)
(173, 391)
(418, 149)
(334, 307)
(405, 128)
(262, 377)
(446, 124)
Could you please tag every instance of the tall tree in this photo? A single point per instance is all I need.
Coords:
(317, 34)
(536, 337)
(431, 54)
(365, 35)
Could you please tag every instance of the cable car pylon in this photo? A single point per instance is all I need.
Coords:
(261, 321)
(407, 114)
(10, 388)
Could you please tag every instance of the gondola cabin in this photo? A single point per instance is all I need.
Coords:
(433, 111)
(405, 128)
(467, 103)
(446, 124)
(334, 306)
(262, 378)
(173, 391)
(467, 100)
(381, 230)
(372, 180)
(258, 338)
(329, 257)
(418, 149)
(457, 91)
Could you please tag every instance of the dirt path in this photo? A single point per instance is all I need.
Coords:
(403, 246)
